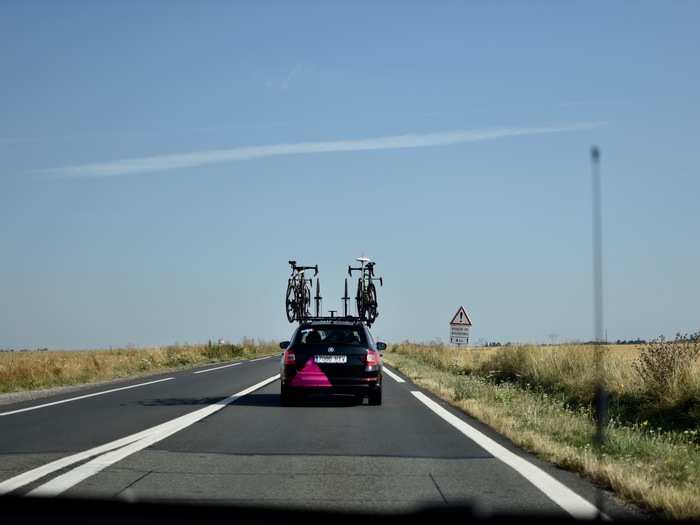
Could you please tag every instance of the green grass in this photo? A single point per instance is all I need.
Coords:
(540, 399)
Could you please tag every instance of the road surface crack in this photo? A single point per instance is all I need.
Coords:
(126, 491)
(444, 499)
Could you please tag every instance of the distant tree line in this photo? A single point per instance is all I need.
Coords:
(637, 341)
(24, 350)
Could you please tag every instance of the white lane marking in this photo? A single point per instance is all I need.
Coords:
(145, 439)
(82, 397)
(217, 368)
(392, 375)
(261, 358)
(233, 364)
(37, 473)
(559, 493)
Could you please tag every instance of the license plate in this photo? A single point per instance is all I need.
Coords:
(331, 359)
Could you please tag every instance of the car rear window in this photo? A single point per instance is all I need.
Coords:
(330, 335)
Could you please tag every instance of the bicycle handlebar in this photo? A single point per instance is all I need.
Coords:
(369, 267)
(314, 268)
(296, 268)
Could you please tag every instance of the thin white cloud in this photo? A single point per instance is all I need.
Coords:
(201, 158)
(293, 73)
(285, 82)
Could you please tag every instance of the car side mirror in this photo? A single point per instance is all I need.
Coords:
(381, 346)
(284, 344)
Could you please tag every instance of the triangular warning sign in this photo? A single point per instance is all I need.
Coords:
(461, 318)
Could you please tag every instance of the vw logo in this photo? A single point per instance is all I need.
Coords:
(331, 349)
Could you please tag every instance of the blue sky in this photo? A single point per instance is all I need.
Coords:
(450, 143)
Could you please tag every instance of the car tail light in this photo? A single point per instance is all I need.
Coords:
(289, 357)
(372, 358)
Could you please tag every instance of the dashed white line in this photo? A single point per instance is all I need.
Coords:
(233, 364)
(52, 403)
(114, 451)
(76, 398)
(261, 358)
(392, 375)
(559, 493)
(217, 368)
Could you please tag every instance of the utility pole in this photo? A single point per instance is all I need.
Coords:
(597, 247)
(601, 396)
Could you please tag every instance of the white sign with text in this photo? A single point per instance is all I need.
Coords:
(459, 327)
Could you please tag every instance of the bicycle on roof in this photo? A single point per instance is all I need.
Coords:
(366, 297)
(299, 287)
(298, 298)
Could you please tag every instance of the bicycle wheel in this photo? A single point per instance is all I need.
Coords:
(371, 303)
(290, 303)
(305, 300)
(308, 298)
(360, 298)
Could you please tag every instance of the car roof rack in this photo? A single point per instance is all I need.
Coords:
(331, 319)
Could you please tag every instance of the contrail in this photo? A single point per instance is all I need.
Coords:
(201, 158)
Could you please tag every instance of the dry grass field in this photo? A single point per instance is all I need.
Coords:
(34, 370)
(664, 393)
(541, 398)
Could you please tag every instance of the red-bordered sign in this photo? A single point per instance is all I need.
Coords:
(461, 318)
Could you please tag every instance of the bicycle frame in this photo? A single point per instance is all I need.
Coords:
(366, 293)
(367, 272)
(297, 286)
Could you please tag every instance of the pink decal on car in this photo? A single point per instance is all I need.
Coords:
(310, 376)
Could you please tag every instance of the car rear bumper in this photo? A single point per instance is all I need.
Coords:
(357, 389)
(334, 384)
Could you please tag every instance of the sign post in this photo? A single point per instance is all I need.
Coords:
(459, 328)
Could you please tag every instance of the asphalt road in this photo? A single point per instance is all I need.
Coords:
(219, 434)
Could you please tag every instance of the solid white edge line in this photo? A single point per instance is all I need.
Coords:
(392, 375)
(559, 493)
(35, 407)
(217, 368)
(145, 439)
